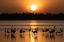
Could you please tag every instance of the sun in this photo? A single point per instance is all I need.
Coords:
(33, 7)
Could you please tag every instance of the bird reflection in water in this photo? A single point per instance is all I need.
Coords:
(13, 37)
(22, 36)
(5, 35)
(47, 36)
(52, 36)
(8, 36)
(33, 37)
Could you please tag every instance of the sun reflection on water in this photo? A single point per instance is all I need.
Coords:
(32, 38)
(33, 24)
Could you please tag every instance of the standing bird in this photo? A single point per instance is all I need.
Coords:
(29, 29)
(13, 30)
(5, 30)
(61, 29)
(52, 31)
(8, 31)
(43, 30)
(35, 31)
(21, 31)
(47, 29)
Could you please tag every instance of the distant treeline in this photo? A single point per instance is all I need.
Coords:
(31, 16)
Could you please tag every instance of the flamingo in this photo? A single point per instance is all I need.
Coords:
(22, 31)
(13, 30)
(8, 31)
(52, 31)
(5, 30)
(30, 29)
(60, 31)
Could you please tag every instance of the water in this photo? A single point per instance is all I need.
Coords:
(29, 36)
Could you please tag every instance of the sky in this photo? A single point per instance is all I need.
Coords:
(43, 6)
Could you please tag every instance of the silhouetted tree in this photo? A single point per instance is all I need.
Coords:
(31, 16)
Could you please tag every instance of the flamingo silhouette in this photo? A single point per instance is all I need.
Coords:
(13, 30)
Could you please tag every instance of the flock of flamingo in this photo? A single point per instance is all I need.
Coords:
(13, 30)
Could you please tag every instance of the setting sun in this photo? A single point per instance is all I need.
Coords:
(33, 7)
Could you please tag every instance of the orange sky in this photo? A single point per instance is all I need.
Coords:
(43, 6)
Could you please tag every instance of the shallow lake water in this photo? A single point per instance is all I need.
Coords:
(30, 36)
